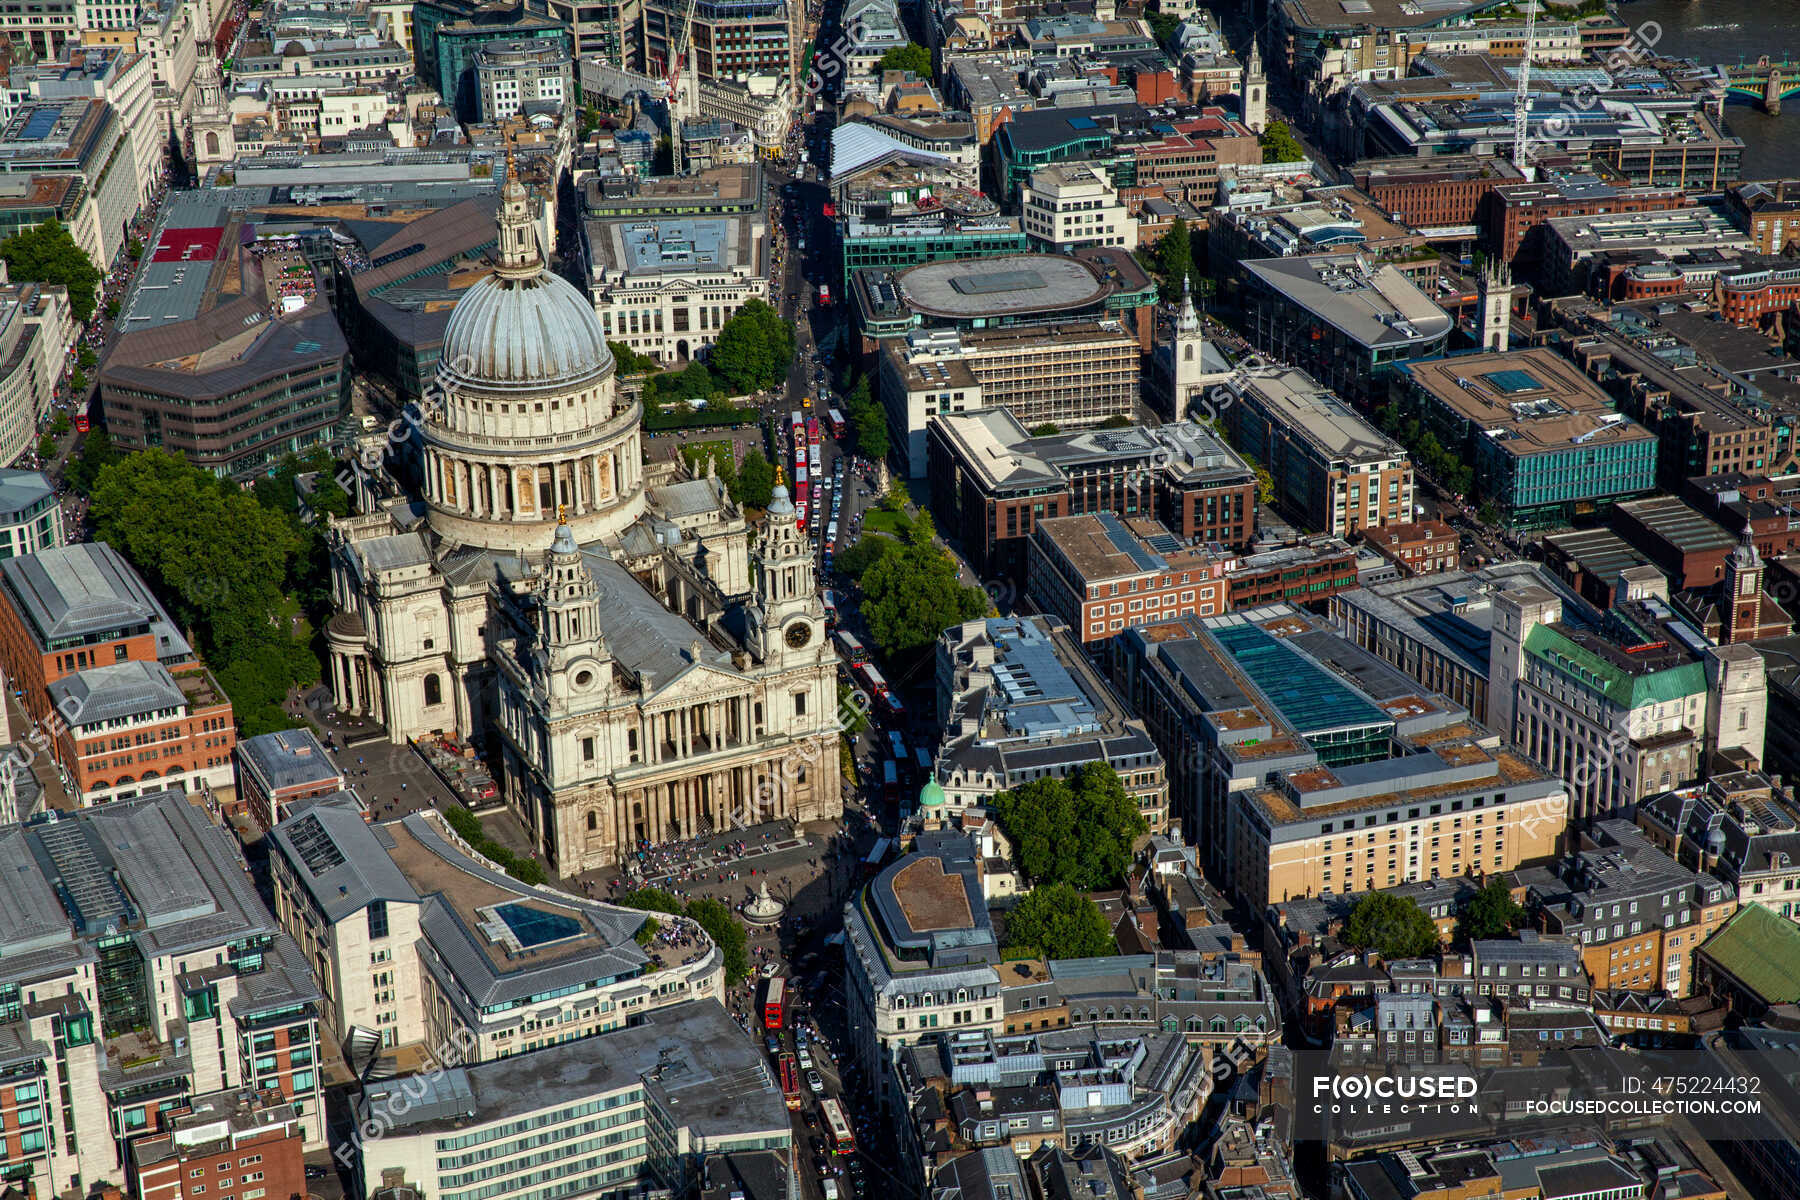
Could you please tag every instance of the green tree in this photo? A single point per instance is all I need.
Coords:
(1491, 913)
(652, 900)
(96, 453)
(46, 447)
(47, 254)
(1057, 921)
(1047, 429)
(85, 359)
(1280, 145)
(1117, 421)
(1174, 259)
(910, 57)
(1392, 926)
(726, 932)
(628, 361)
(911, 595)
(112, 310)
(1163, 27)
(870, 549)
(224, 564)
(1265, 484)
(871, 429)
(755, 480)
(1488, 513)
(78, 382)
(1079, 831)
(61, 424)
(754, 348)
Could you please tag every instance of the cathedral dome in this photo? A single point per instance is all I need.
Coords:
(524, 326)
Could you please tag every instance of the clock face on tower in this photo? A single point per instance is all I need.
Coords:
(798, 634)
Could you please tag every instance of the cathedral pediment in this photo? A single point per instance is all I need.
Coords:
(697, 683)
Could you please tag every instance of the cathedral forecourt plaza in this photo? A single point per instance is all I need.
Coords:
(642, 661)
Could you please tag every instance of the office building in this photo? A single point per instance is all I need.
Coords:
(1512, 212)
(1068, 375)
(87, 137)
(1320, 768)
(1437, 628)
(1437, 197)
(1102, 575)
(666, 287)
(101, 667)
(1637, 913)
(1347, 321)
(30, 514)
(227, 350)
(1543, 440)
(1333, 471)
(1066, 207)
(415, 939)
(1309, 572)
(644, 1107)
(997, 481)
(278, 770)
(728, 38)
(449, 35)
(897, 243)
(1018, 702)
(923, 976)
(140, 972)
(523, 75)
(36, 335)
(231, 1145)
(1769, 212)
(1625, 707)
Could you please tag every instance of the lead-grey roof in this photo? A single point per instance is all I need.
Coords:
(154, 868)
(640, 632)
(691, 1059)
(287, 758)
(362, 871)
(86, 588)
(19, 490)
(116, 691)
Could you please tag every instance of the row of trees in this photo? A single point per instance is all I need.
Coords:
(753, 352)
(720, 923)
(1396, 927)
(467, 825)
(1449, 469)
(240, 569)
(48, 254)
(867, 419)
(910, 590)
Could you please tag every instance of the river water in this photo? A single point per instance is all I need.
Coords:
(1732, 31)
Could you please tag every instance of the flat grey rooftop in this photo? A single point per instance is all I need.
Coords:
(287, 758)
(83, 590)
(694, 1061)
(19, 490)
(1373, 304)
(1011, 285)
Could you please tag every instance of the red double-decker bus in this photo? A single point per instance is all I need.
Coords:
(775, 1003)
(790, 1081)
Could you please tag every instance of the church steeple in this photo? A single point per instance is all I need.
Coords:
(571, 648)
(787, 594)
(518, 239)
(1741, 604)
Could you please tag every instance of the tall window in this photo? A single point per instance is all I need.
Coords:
(378, 921)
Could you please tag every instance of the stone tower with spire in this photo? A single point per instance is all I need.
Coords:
(1740, 605)
(1188, 350)
(1494, 301)
(572, 658)
(1253, 90)
(214, 141)
(788, 619)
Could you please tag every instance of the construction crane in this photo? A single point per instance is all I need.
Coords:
(679, 107)
(1522, 98)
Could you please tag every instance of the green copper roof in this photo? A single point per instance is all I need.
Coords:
(931, 795)
(1761, 951)
(1620, 687)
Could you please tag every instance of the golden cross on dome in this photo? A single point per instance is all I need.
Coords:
(780, 475)
(560, 510)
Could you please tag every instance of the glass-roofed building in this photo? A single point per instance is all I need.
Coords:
(1318, 767)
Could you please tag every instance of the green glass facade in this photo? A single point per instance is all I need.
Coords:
(896, 248)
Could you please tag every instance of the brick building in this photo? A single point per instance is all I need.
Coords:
(274, 770)
(1309, 573)
(991, 482)
(102, 667)
(233, 1145)
(1420, 547)
(1102, 575)
(1511, 211)
(1433, 193)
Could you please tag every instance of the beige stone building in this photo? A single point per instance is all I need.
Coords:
(641, 662)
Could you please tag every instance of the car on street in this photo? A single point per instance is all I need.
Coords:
(815, 1082)
(805, 1059)
(774, 1045)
